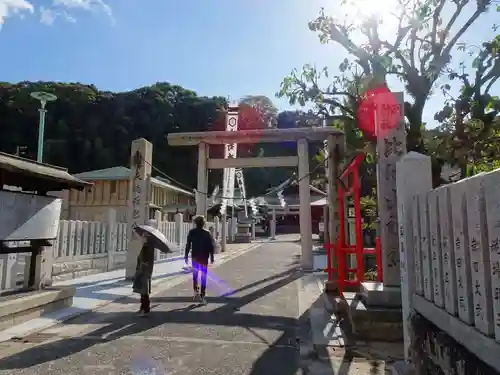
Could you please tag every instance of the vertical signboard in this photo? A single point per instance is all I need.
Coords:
(230, 151)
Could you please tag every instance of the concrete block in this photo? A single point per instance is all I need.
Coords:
(377, 294)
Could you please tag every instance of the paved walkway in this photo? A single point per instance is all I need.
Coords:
(98, 290)
(263, 317)
(248, 327)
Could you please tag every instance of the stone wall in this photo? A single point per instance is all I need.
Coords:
(72, 269)
(434, 352)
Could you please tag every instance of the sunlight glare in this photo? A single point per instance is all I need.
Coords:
(358, 11)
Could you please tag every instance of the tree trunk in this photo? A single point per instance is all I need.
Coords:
(414, 113)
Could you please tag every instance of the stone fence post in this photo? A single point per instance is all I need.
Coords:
(413, 177)
(216, 228)
(8, 270)
(179, 220)
(111, 242)
(157, 224)
(223, 234)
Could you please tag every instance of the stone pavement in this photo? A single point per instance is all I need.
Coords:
(258, 321)
(94, 291)
(249, 327)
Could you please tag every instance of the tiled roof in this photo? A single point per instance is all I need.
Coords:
(123, 173)
(115, 173)
(52, 177)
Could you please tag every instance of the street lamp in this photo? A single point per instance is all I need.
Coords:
(43, 97)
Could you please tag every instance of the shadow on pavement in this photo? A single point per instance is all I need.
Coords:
(281, 356)
(123, 324)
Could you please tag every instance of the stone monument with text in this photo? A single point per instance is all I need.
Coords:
(138, 211)
(391, 147)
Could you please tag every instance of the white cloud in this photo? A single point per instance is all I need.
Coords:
(49, 15)
(95, 6)
(11, 7)
(59, 9)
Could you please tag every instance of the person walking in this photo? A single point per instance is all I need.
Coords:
(201, 244)
(144, 273)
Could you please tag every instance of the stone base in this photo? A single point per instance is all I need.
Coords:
(331, 287)
(20, 306)
(402, 368)
(242, 238)
(375, 323)
(377, 313)
(377, 294)
(366, 323)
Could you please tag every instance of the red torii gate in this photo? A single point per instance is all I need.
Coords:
(340, 246)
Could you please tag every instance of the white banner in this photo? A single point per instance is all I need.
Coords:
(231, 151)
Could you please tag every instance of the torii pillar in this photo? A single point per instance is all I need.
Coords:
(300, 135)
(202, 185)
(334, 155)
(305, 205)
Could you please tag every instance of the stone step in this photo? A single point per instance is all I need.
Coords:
(367, 322)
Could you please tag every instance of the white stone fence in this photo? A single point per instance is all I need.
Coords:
(450, 256)
(87, 247)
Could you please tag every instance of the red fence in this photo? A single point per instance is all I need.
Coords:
(341, 249)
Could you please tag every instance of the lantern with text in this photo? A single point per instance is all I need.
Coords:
(378, 112)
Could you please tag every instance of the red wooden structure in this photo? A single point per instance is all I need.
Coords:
(349, 185)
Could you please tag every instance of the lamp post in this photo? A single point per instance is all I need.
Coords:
(43, 97)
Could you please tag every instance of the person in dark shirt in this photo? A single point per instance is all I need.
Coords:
(144, 274)
(201, 244)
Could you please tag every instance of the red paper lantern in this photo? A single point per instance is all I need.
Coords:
(378, 112)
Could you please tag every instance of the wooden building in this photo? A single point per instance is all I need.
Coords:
(111, 189)
(287, 218)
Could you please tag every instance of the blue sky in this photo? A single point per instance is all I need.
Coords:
(217, 47)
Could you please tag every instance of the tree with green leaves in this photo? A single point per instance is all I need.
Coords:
(418, 53)
(469, 121)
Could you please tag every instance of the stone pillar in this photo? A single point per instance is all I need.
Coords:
(223, 239)
(413, 177)
(202, 187)
(229, 229)
(253, 231)
(157, 224)
(234, 228)
(272, 225)
(216, 228)
(138, 210)
(391, 146)
(326, 232)
(305, 205)
(179, 219)
(111, 241)
(43, 266)
(8, 262)
(333, 222)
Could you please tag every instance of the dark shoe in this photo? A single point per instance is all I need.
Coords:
(196, 296)
(203, 301)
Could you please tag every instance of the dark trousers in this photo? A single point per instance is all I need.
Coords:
(145, 303)
(200, 265)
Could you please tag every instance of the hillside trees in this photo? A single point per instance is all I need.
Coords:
(90, 129)
(87, 128)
